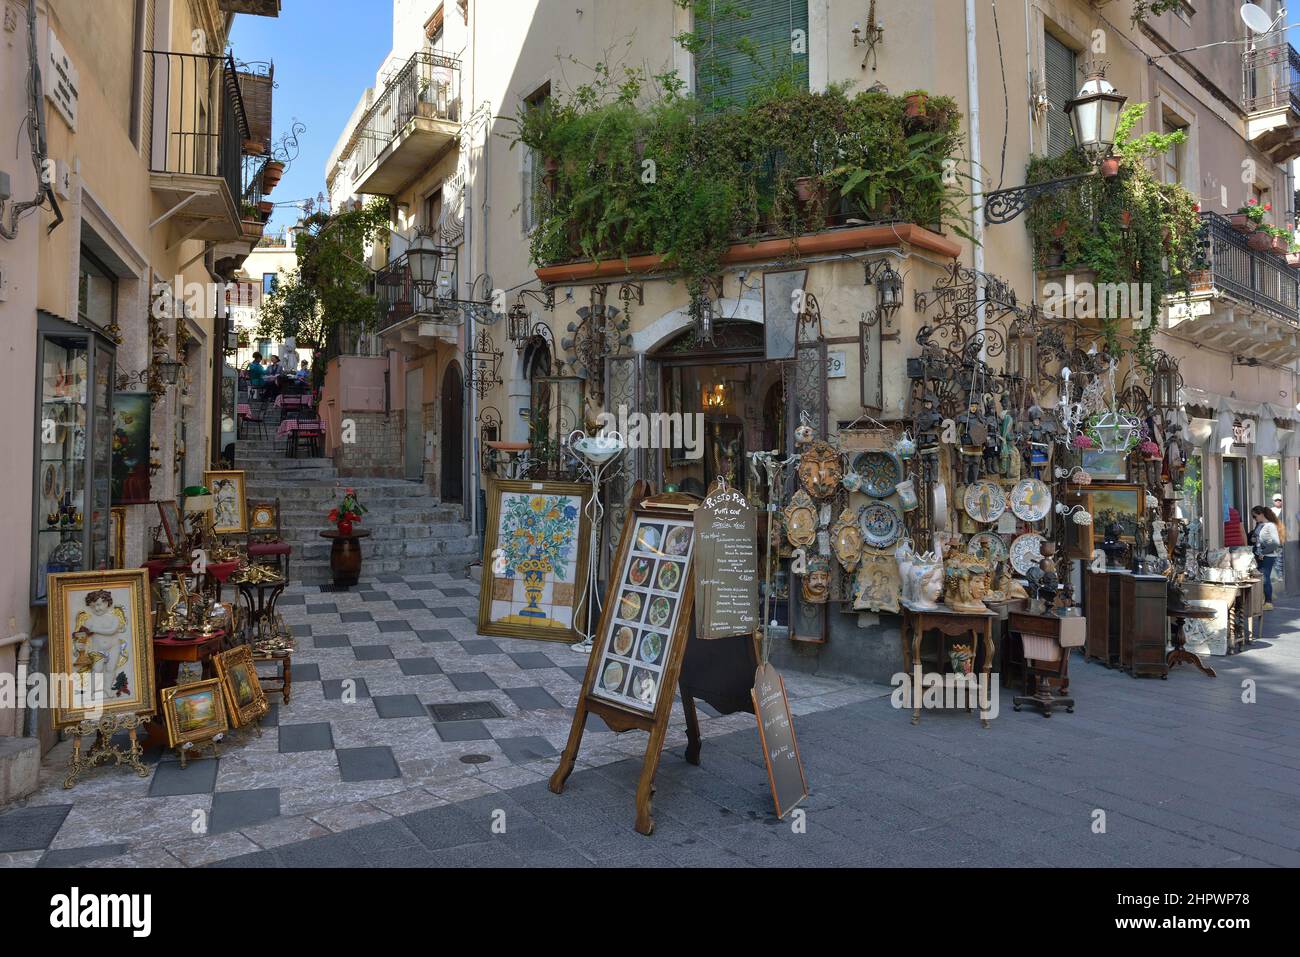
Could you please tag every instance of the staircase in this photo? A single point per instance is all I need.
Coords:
(411, 531)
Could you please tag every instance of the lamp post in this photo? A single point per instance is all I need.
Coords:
(424, 257)
(1094, 117)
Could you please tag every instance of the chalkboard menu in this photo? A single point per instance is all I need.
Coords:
(645, 613)
(726, 566)
(776, 731)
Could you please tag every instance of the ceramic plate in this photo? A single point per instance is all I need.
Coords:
(1031, 500)
(670, 574)
(623, 639)
(984, 501)
(639, 572)
(881, 525)
(988, 543)
(629, 607)
(661, 609)
(679, 541)
(652, 646)
(647, 540)
(880, 471)
(1025, 552)
(612, 679)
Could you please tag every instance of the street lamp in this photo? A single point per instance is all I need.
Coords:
(424, 257)
(1094, 116)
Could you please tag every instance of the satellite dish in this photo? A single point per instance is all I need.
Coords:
(1255, 18)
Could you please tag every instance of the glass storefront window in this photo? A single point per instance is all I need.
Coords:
(1193, 507)
(96, 292)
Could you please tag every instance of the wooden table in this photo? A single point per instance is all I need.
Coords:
(1039, 673)
(345, 555)
(950, 624)
(259, 598)
(168, 654)
(1178, 637)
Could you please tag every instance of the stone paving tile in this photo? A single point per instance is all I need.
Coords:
(76, 856)
(31, 828)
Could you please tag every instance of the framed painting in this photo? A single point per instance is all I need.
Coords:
(1107, 502)
(1106, 465)
(534, 559)
(101, 645)
(130, 473)
(245, 700)
(230, 511)
(117, 537)
(194, 712)
(172, 522)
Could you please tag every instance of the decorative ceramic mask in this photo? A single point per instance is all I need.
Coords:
(846, 540)
(800, 520)
(803, 433)
(820, 469)
(817, 583)
(927, 587)
(962, 658)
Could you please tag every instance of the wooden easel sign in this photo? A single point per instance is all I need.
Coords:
(776, 732)
(636, 659)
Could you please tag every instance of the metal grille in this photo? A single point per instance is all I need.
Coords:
(1261, 278)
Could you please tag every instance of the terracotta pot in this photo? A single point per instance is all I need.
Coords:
(1241, 223)
(806, 189)
(1110, 166)
(1293, 260)
(1280, 245)
(916, 104)
(271, 175)
(265, 207)
(1260, 242)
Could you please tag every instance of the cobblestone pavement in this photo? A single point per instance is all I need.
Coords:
(429, 691)
(1185, 771)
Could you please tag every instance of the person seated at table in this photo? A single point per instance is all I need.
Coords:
(273, 372)
(303, 374)
(256, 373)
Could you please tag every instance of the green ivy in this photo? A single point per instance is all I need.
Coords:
(1153, 8)
(1131, 228)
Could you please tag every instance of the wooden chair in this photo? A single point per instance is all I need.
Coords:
(310, 430)
(265, 538)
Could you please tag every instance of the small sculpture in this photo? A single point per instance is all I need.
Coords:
(972, 433)
(928, 423)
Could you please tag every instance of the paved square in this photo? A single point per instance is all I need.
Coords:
(331, 782)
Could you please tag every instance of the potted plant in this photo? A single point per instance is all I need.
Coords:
(1110, 167)
(347, 513)
(1250, 217)
(916, 101)
(1261, 240)
(1281, 239)
(1293, 254)
(265, 208)
(254, 148)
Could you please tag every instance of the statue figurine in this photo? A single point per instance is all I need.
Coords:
(1037, 441)
(1177, 449)
(971, 434)
(1006, 435)
(1007, 585)
(928, 423)
(993, 438)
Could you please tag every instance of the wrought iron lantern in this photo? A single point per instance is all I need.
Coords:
(518, 324)
(1094, 114)
(425, 259)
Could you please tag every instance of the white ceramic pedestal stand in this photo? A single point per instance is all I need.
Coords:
(595, 455)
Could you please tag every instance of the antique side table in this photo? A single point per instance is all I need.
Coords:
(949, 624)
(345, 555)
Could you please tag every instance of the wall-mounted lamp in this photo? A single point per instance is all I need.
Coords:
(871, 37)
(889, 289)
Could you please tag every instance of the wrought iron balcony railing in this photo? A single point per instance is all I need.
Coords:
(1271, 78)
(1262, 279)
(427, 85)
(400, 299)
(199, 121)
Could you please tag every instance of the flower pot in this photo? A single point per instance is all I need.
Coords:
(916, 104)
(345, 527)
(271, 175)
(254, 148)
(265, 207)
(1260, 241)
(1110, 166)
(1293, 260)
(1280, 245)
(1241, 223)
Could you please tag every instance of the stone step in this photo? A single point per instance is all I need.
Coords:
(319, 550)
(318, 573)
(320, 491)
(307, 527)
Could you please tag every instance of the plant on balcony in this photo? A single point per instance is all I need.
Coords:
(1250, 217)
(675, 176)
(1131, 228)
(329, 287)
(1153, 8)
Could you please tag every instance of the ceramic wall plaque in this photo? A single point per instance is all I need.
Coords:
(800, 520)
(820, 469)
(880, 471)
(1031, 500)
(984, 501)
(877, 585)
(846, 540)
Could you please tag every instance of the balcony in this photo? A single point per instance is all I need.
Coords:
(1244, 302)
(412, 121)
(1272, 100)
(412, 321)
(199, 127)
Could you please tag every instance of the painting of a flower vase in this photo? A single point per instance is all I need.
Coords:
(534, 559)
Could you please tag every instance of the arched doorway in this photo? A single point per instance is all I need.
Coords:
(453, 435)
(733, 397)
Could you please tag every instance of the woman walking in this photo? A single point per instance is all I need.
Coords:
(1267, 537)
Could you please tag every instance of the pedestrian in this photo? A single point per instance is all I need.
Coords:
(1267, 537)
(256, 376)
(303, 373)
(273, 379)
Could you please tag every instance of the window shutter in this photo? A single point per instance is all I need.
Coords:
(1062, 85)
(745, 54)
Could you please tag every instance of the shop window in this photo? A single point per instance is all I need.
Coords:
(1234, 492)
(1174, 161)
(269, 282)
(1193, 504)
(1061, 72)
(743, 54)
(531, 175)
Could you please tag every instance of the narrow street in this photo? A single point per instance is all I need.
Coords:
(382, 781)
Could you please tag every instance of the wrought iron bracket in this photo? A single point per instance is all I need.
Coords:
(1004, 205)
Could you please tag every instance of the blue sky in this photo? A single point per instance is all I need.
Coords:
(326, 53)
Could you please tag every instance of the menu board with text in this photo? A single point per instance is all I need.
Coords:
(726, 566)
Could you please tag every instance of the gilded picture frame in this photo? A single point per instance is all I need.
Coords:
(245, 699)
(100, 635)
(117, 535)
(230, 511)
(534, 581)
(194, 712)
